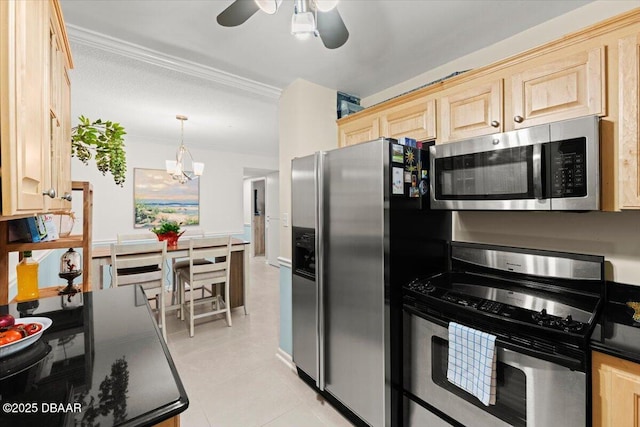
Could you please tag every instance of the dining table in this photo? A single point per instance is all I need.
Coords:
(238, 279)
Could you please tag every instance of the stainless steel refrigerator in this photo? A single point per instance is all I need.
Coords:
(361, 229)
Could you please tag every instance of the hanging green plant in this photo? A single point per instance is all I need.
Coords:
(104, 141)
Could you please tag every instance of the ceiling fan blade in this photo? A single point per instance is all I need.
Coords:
(332, 30)
(237, 13)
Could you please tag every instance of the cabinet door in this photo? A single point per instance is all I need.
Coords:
(59, 102)
(414, 119)
(629, 117)
(360, 130)
(559, 90)
(64, 174)
(473, 112)
(616, 392)
(24, 116)
(55, 101)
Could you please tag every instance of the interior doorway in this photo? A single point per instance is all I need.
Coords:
(258, 217)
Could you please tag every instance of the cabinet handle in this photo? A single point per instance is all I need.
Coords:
(518, 119)
(50, 192)
(495, 123)
(67, 197)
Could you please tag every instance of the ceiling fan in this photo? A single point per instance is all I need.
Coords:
(310, 17)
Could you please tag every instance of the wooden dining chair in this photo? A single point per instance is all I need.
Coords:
(212, 278)
(142, 264)
(177, 263)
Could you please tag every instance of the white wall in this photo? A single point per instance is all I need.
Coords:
(221, 188)
(307, 123)
(616, 236)
(247, 197)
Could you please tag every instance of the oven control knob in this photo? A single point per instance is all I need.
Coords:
(542, 318)
(569, 325)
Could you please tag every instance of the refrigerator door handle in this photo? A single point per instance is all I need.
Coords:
(319, 175)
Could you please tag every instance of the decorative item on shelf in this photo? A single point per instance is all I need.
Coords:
(105, 141)
(64, 221)
(70, 263)
(169, 231)
(27, 277)
(176, 168)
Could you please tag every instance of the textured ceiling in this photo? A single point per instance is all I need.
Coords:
(390, 42)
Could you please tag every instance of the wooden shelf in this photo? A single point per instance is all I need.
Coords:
(51, 291)
(75, 241)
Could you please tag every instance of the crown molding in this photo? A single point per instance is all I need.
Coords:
(96, 40)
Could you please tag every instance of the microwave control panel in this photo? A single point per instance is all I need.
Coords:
(567, 161)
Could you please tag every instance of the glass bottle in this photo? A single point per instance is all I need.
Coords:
(27, 272)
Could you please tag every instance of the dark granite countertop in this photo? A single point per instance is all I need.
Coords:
(617, 333)
(102, 362)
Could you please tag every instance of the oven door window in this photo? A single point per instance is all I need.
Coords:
(505, 174)
(511, 397)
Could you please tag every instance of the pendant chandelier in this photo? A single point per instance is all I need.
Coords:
(176, 168)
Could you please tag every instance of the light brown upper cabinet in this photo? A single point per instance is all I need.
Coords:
(362, 128)
(593, 71)
(60, 116)
(31, 144)
(24, 101)
(472, 110)
(629, 121)
(564, 89)
(414, 119)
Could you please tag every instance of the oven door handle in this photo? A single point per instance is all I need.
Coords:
(566, 361)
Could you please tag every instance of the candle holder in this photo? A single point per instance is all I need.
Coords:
(70, 263)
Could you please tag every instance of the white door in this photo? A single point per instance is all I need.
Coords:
(272, 219)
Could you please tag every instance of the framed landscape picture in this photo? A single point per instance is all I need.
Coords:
(157, 197)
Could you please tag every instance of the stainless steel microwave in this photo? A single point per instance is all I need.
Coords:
(554, 166)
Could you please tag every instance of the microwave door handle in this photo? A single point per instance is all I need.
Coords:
(537, 171)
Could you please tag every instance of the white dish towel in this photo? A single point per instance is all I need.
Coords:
(472, 362)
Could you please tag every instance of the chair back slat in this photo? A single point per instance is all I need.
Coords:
(144, 259)
(208, 268)
(210, 252)
(146, 280)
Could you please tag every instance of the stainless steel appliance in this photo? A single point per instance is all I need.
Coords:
(542, 306)
(547, 167)
(365, 207)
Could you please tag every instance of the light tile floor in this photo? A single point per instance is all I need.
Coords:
(232, 375)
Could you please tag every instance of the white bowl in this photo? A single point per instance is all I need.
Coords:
(25, 342)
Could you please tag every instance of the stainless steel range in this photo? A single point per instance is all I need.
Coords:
(542, 306)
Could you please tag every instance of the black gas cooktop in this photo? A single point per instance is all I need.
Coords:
(516, 303)
(505, 299)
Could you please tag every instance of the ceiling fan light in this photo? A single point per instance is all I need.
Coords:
(325, 5)
(269, 6)
(302, 23)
